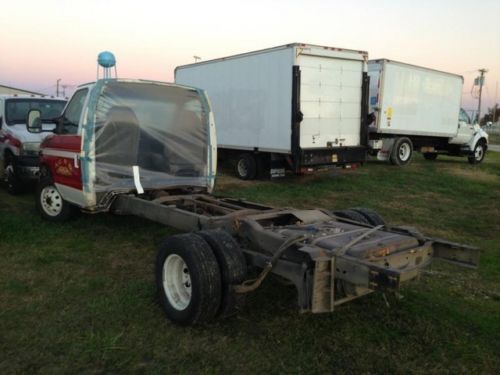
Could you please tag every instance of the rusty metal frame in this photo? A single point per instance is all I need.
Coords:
(313, 271)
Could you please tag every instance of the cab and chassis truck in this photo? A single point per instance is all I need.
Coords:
(149, 149)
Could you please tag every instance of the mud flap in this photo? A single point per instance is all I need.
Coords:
(384, 154)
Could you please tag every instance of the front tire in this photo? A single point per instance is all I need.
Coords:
(188, 279)
(12, 182)
(479, 153)
(402, 151)
(50, 204)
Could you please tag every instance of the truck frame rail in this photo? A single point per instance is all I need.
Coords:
(330, 260)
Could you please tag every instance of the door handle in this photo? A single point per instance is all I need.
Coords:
(75, 160)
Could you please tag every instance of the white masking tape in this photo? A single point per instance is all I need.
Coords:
(137, 179)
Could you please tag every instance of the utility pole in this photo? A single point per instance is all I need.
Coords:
(495, 105)
(57, 87)
(481, 82)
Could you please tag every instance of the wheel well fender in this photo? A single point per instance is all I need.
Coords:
(479, 138)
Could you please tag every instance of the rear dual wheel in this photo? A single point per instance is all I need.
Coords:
(250, 166)
(361, 215)
(402, 151)
(195, 274)
(246, 166)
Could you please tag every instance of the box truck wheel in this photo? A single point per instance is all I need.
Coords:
(232, 266)
(50, 203)
(188, 279)
(246, 166)
(401, 151)
(430, 155)
(479, 153)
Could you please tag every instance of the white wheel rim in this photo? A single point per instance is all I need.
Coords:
(177, 282)
(8, 171)
(51, 201)
(479, 152)
(404, 151)
(242, 168)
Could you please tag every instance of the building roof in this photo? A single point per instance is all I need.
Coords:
(20, 90)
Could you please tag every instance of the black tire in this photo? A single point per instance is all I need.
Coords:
(233, 268)
(430, 155)
(479, 153)
(49, 202)
(370, 215)
(246, 166)
(402, 151)
(351, 214)
(12, 182)
(204, 279)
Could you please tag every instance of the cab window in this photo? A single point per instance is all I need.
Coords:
(464, 117)
(73, 112)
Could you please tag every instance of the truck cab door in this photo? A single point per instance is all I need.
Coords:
(465, 130)
(61, 152)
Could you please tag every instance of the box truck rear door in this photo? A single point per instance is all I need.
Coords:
(330, 99)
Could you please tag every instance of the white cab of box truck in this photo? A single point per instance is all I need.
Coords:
(413, 108)
(297, 107)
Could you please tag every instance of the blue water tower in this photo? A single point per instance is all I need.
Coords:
(106, 60)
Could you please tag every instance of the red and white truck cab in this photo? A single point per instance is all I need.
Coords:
(118, 135)
(18, 147)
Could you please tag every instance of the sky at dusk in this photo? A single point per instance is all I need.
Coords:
(43, 40)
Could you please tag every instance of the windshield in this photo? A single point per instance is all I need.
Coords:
(16, 110)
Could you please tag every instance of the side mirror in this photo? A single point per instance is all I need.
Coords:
(34, 121)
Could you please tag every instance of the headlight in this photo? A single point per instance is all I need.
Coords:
(30, 148)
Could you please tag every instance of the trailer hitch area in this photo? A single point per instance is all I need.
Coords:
(455, 253)
(450, 252)
(363, 276)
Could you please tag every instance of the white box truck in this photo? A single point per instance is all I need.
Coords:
(415, 108)
(297, 106)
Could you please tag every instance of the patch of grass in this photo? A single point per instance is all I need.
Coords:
(79, 296)
(493, 139)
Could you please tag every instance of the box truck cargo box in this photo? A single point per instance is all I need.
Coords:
(301, 106)
(416, 108)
